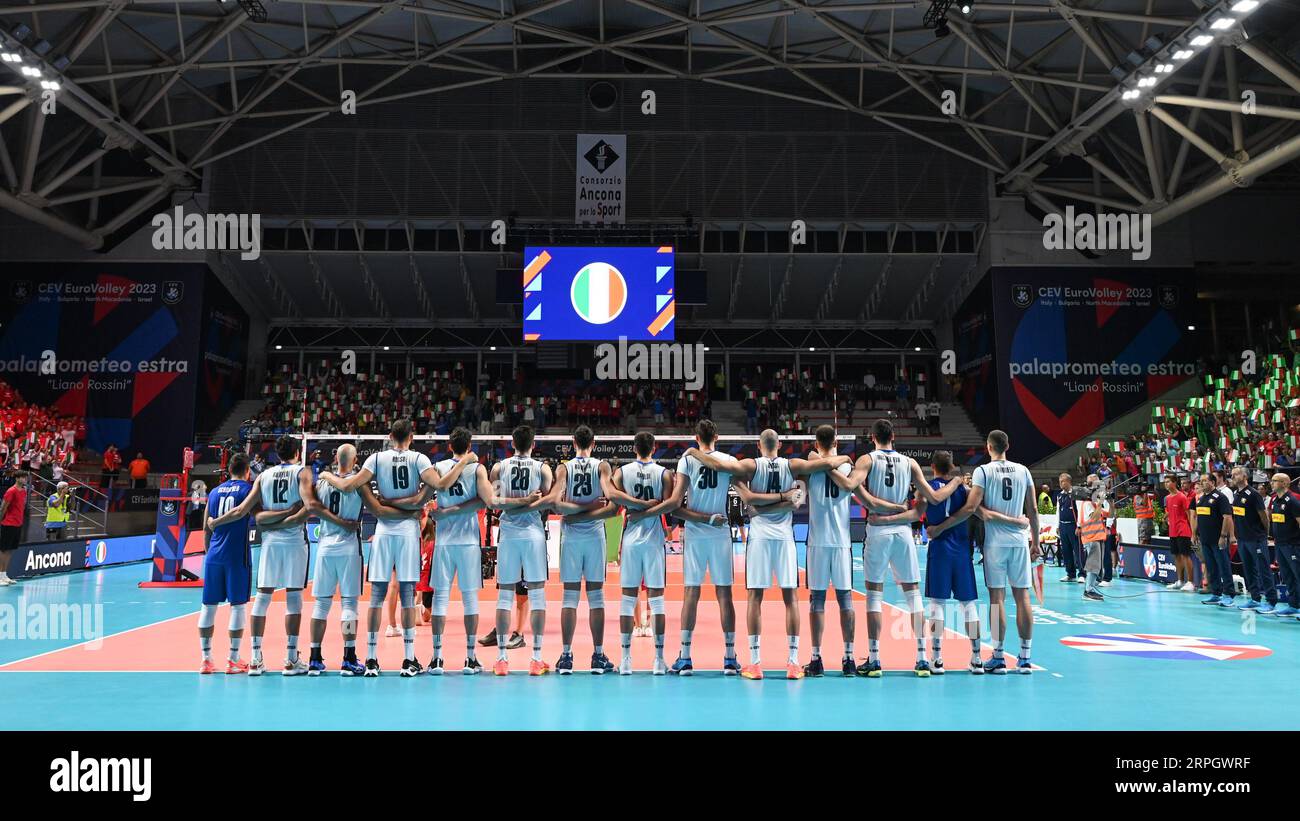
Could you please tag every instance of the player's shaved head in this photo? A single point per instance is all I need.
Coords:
(768, 442)
(346, 456)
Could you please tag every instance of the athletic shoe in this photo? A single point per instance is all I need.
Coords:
(752, 672)
(1093, 595)
(436, 666)
(1227, 601)
(1250, 604)
(660, 668)
(814, 668)
(501, 668)
(489, 640)
(472, 667)
(731, 666)
(1103, 584)
(392, 632)
(1174, 586)
(295, 667)
(1188, 587)
(372, 669)
(793, 672)
(1285, 610)
(936, 667)
(537, 667)
(411, 668)
(1024, 666)
(996, 666)
(352, 668)
(1215, 599)
(625, 666)
(1068, 580)
(315, 667)
(600, 664)
(1265, 608)
(869, 669)
(976, 667)
(682, 667)
(922, 669)
(236, 667)
(256, 667)
(565, 665)
(516, 641)
(207, 668)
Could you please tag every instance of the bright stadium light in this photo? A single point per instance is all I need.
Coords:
(1245, 6)
(1222, 22)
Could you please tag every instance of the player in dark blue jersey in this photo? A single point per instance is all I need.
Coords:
(949, 573)
(227, 568)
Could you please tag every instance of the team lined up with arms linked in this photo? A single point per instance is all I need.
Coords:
(584, 491)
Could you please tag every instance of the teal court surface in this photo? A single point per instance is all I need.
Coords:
(1146, 658)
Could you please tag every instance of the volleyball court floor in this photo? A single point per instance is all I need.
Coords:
(1146, 658)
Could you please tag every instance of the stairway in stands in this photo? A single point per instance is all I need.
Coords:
(729, 416)
(229, 428)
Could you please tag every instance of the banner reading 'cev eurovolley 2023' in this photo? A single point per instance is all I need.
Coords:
(124, 342)
(1077, 348)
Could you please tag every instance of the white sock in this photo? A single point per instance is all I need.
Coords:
(686, 644)
(754, 656)
(205, 644)
(794, 649)
(730, 640)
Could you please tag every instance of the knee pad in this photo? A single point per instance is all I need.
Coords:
(596, 599)
(657, 605)
(378, 592)
(570, 601)
(237, 617)
(292, 602)
(505, 599)
(207, 616)
(537, 598)
(261, 604)
(349, 608)
(627, 606)
(817, 601)
(406, 593)
(844, 598)
(321, 609)
(934, 610)
(441, 599)
(470, 603)
(914, 604)
(970, 611)
(875, 601)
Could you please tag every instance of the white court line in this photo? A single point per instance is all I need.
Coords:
(92, 641)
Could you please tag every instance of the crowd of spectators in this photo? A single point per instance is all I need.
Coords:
(37, 438)
(437, 400)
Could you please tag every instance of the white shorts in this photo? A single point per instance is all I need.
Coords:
(283, 563)
(888, 547)
(1006, 565)
(521, 559)
(711, 555)
(641, 562)
(462, 561)
(397, 551)
(767, 557)
(339, 573)
(830, 567)
(582, 558)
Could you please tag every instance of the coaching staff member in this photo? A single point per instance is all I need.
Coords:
(1250, 523)
(1067, 528)
(1284, 522)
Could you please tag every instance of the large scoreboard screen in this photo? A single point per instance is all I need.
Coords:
(603, 293)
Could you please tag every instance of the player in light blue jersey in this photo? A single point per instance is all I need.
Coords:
(580, 495)
(521, 487)
(284, 494)
(707, 548)
(768, 485)
(227, 569)
(396, 545)
(1006, 488)
(890, 476)
(644, 488)
(338, 561)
